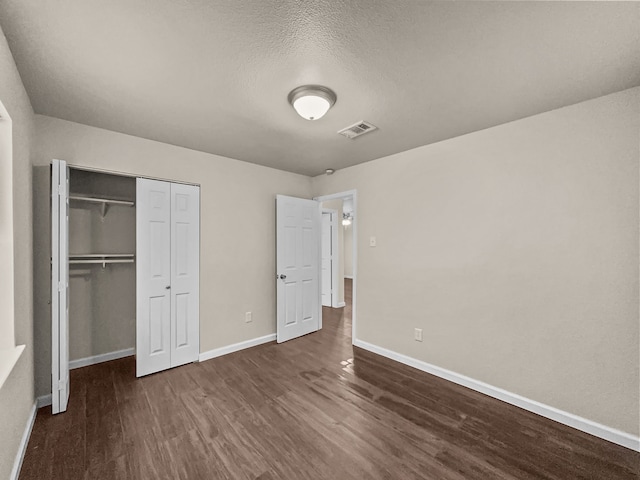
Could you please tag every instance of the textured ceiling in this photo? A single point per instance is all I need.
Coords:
(214, 75)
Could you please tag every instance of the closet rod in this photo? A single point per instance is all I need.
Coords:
(101, 200)
(104, 203)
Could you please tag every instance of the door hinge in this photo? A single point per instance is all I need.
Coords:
(60, 286)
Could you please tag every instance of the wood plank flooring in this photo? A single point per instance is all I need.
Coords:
(311, 408)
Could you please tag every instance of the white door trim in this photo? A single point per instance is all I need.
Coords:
(354, 248)
(128, 174)
(335, 250)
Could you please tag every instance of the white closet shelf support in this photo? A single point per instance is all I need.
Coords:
(101, 258)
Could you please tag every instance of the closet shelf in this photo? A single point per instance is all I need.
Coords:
(101, 258)
(101, 255)
(105, 203)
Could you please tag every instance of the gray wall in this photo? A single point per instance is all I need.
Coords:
(16, 395)
(515, 249)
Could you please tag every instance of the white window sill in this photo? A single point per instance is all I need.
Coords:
(8, 359)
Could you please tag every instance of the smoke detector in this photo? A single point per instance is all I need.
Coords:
(357, 129)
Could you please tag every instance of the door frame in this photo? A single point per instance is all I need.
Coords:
(119, 173)
(75, 166)
(334, 261)
(353, 194)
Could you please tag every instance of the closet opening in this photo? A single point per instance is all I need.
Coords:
(125, 263)
(102, 273)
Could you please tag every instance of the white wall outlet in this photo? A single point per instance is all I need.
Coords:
(372, 241)
(248, 317)
(417, 334)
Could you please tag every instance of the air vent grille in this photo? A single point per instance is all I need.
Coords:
(357, 129)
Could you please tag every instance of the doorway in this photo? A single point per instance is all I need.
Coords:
(344, 273)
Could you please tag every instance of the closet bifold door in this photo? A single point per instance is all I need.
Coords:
(153, 276)
(185, 274)
(167, 275)
(60, 385)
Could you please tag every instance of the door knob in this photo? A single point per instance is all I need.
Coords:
(167, 287)
(282, 277)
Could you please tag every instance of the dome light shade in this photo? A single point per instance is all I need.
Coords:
(312, 101)
(311, 107)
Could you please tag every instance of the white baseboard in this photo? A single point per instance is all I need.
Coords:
(218, 352)
(43, 401)
(22, 449)
(341, 304)
(104, 357)
(350, 277)
(588, 426)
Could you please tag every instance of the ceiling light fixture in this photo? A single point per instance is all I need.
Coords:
(347, 218)
(312, 101)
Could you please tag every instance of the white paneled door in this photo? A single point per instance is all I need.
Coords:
(326, 275)
(185, 273)
(298, 227)
(153, 276)
(60, 386)
(167, 275)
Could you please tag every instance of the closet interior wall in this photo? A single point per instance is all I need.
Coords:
(102, 298)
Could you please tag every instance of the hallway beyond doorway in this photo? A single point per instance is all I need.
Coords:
(338, 320)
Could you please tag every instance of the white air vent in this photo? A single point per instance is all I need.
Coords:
(357, 129)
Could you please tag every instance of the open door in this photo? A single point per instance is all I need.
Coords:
(298, 225)
(59, 286)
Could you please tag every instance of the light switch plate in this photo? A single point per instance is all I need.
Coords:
(417, 334)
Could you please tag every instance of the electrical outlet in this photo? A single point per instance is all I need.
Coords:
(372, 241)
(417, 334)
(248, 317)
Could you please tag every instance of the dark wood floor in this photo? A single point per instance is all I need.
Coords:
(312, 408)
